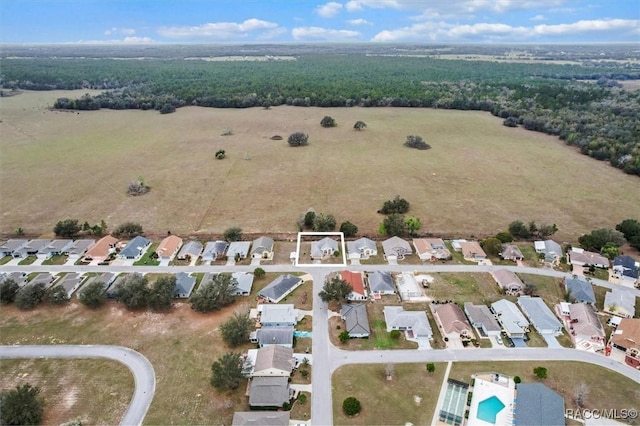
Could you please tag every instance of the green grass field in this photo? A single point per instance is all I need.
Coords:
(477, 178)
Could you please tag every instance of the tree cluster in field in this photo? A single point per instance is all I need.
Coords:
(128, 230)
(137, 187)
(608, 241)
(135, 293)
(415, 141)
(31, 295)
(328, 121)
(215, 294)
(321, 222)
(395, 223)
(71, 228)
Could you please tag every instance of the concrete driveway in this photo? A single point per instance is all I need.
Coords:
(552, 342)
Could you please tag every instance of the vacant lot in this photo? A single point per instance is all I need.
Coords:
(478, 177)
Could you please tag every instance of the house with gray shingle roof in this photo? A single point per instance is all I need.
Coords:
(31, 248)
(239, 248)
(269, 392)
(135, 248)
(552, 251)
(262, 248)
(45, 278)
(414, 321)
(482, 319)
(79, 248)
(381, 282)
(279, 288)
(620, 302)
(261, 418)
(54, 248)
(70, 282)
(184, 285)
(396, 248)
(190, 251)
(511, 252)
(106, 278)
(513, 321)
(580, 291)
(273, 361)
(362, 248)
(245, 283)
(267, 336)
(9, 247)
(540, 315)
(214, 250)
(538, 405)
(323, 248)
(19, 278)
(356, 320)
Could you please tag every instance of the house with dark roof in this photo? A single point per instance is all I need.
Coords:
(323, 248)
(79, 248)
(9, 247)
(70, 282)
(43, 278)
(106, 278)
(580, 291)
(190, 251)
(620, 302)
(113, 288)
(184, 285)
(541, 317)
(552, 251)
(538, 405)
(267, 336)
(626, 268)
(508, 281)
(362, 248)
(511, 252)
(395, 248)
(54, 248)
(269, 392)
(19, 278)
(415, 322)
(245, 283)
(214, 250)
(356, 320)
(31, 248)
(381, 282)
(356, 281)
(481, 318)
(135, 248)
(262, 248)
(279, 288)
(261, 418)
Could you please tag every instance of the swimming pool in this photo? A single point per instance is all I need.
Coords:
(489, 409)
(306, 334)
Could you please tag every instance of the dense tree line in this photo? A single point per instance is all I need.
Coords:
(602, 121)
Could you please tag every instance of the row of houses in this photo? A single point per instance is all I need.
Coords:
(45, 249)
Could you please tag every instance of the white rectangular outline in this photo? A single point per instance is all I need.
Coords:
(316, 265)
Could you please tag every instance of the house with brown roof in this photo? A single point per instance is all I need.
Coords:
(508, 281)
(431, 249)
(626, 338)
(356, 281)
(581, 257)
(511, 252)
(583, 325)
(168, 248)
(472, 251)
(101, 250)
(273, 361)
(452, 322)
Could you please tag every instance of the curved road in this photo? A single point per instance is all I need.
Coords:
(143, 373)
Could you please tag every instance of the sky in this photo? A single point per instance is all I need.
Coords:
(303, 21)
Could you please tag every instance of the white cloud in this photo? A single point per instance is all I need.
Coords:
(358, 22)
(123, 31)
(323, 34)
(220, 30)
(329, 10)
(493, 32)
(538, 18)
(126, 40)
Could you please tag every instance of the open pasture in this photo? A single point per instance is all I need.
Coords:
(477, 178)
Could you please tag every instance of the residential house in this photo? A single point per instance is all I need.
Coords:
(541, 317)
(626, 269)
(620, 302)
(581, 257)
(262, 248)
(113, 288)
(513, 322)
(9, 247)
(414, 322)
(269, 392)
(214, 250)
(19, 278)
(79, 248)
(70, 282)
(511, 252)
(356, 320)
(184, 285)
(267, 336)
(31, 248)
(472, 252)
(362, 248)
(54, 248)
(452, 322)
(431, 249)
(626, 338)
(552, 251)
(278, 315)
(279, 288)
(101, 250)
(245, 283)
(106, 278)
(580, 291)
(274, 361)
(261, 418)
(538, 405)
(356, 281)
(43, 278)
(508, 281)
(456, 245)
(239, 249)
(583, 324)
(380, 283)
(323, 248)
(169, 248)
(395, 248)
(135, 249)
(190, 251)
(482, 319)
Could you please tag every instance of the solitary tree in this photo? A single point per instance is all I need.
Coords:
(504, 237)
(309, 218)
(67, 228)
(19, 231)
(343, 336)
(397, 205)
(328, 121)
(540, 372)
(519, 229)
(324, 223)
(226, 372)
(93, 294)
(236, 330)
(431, 367)
(162, 293)
(491, 246)
(21, 406)
(348, 229)
(233, 234)
(30, 296)
(298, 139)
(259, 272)
(220, 154)
(359, 125)
(8, 290)
(128, 230)
(517, 379)
(137, 187)
(351, 406)
(215, 294)
(413, 224)
(133, 291)
(335, 289)
(394, 225)
(414, 141)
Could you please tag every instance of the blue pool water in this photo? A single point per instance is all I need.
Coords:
(489, 409)
(302, 334)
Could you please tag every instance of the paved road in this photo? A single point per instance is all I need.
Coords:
(143, 373)
(321, 402)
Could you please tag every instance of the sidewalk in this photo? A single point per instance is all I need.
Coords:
(443, 391)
